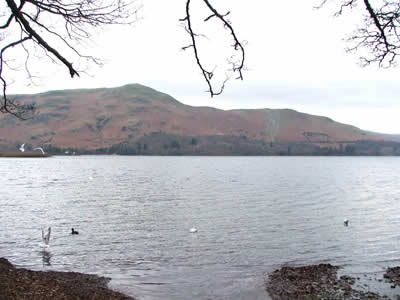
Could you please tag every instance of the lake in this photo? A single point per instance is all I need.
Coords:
(253, 215)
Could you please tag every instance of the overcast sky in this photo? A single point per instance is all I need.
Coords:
(295, 58)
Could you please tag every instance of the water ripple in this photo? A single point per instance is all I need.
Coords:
(253, 214)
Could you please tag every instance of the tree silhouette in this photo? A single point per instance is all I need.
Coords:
(54, 29)
(57, 29)
(377, 38)
(236, 60)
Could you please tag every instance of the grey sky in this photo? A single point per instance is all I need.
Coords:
(295, 59)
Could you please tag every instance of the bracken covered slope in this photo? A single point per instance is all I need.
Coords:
(99, 118)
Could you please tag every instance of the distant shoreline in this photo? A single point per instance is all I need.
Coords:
(24, 154)
(90, 153)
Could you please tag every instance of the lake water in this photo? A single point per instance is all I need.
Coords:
(253, 214)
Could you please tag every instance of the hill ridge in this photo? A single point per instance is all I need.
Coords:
(133, 114)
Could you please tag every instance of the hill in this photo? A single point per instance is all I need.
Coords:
(134, 119)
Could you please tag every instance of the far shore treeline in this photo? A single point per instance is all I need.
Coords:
(162, 144)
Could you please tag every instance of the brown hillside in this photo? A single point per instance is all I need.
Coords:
(96, 118)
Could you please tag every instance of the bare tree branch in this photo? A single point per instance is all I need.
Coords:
(33, 21)
(56, 30)
(237, 66)
(8, 105)
(378, 38)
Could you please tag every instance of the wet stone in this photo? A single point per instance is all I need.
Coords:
(314, 282)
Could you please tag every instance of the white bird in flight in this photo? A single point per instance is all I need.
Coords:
(46, 237)
(21, 148)
(39, 148)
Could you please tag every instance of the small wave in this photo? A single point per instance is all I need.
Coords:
(153, 283)
(43, 245)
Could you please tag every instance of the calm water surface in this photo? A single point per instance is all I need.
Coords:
(253, 214)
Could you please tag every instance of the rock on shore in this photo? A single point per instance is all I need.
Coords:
(314, 282)
(393, 276)
(18, 284)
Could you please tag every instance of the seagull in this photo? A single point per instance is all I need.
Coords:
(193, 230)
(39, 148)
(73, 231)
(346, 222)
(21, 148)
(46, 237)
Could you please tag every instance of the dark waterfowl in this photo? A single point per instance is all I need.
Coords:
(73, 231)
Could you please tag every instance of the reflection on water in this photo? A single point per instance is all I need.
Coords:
(46, 257)
(253, 214)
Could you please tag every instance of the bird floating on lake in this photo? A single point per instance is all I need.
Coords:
(21, 148)
(73, 231)
(40, 148)
(346, 222)
(46, 237)
(193, 230)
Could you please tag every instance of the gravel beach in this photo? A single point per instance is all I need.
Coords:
(19, 283)
(321, 282)
(313, 282)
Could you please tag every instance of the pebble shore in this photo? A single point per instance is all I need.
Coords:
(19, 283)
(313, 282)
(321, 282)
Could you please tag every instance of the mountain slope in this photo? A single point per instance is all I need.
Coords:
(99, 118)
